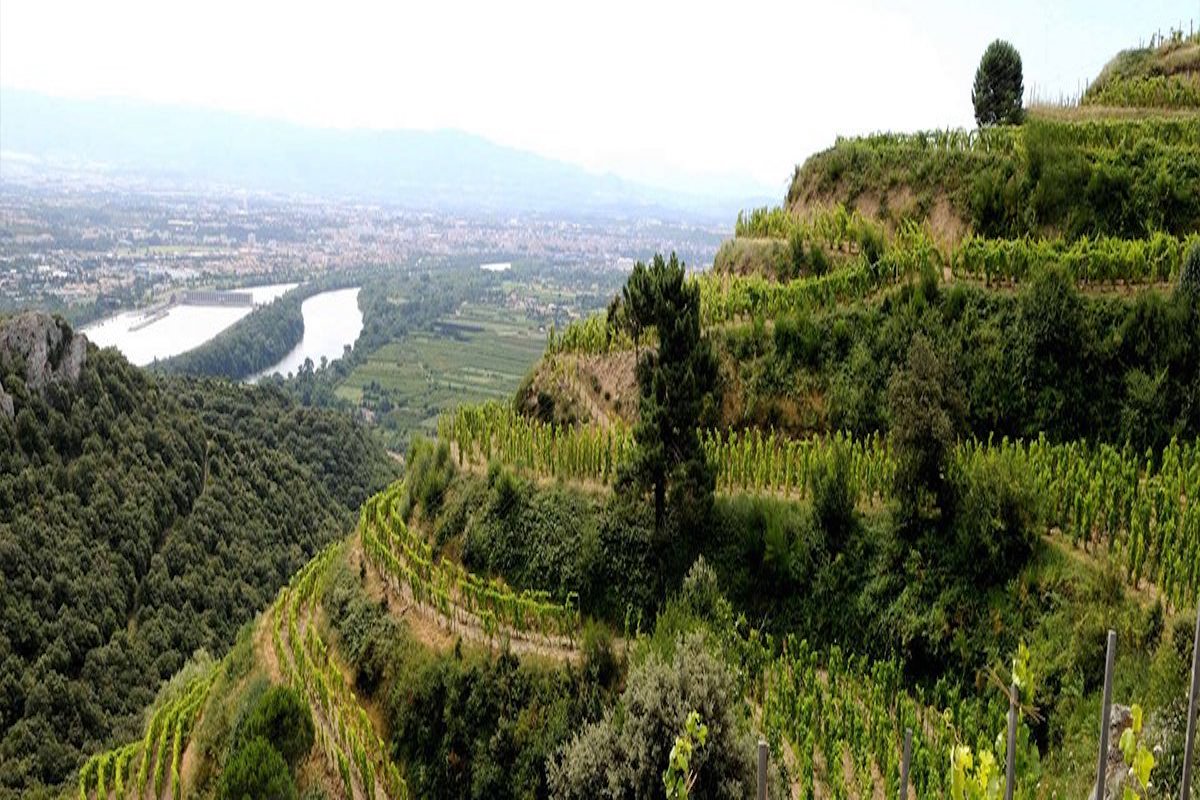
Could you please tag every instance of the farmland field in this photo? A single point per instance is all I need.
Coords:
(480, 353)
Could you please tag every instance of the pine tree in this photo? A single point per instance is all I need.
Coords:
(675, 382)
(999, 86)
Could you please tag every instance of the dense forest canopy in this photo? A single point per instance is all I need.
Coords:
(142, 519)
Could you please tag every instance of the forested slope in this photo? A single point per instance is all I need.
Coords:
(140, 520)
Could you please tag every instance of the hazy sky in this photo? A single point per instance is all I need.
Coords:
(689, 93)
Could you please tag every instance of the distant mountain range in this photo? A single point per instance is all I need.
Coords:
(443, 169)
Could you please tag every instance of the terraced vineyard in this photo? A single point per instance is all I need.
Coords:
(1090, 262)
(840, 722)
(1141, 509)
(493, 431)
(464, 601)
(344, 733)
(840, 596)
(152, 764)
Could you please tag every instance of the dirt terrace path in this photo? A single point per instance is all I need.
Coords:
(439, 631)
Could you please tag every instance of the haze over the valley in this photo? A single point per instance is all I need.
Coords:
(688, 106)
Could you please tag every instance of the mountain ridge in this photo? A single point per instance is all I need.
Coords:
(444, 169)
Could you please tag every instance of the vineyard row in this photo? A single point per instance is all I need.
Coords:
(1143, 510)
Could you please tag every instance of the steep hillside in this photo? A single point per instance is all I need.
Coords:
(141, 520)
(1097, 177)
(1020, 305)
(1124, 162)
(928, 431)
(1163, 75)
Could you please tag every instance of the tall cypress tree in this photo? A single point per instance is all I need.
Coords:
(676, 379)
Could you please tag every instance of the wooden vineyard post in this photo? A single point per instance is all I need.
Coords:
(905, 760)
(1010, 780)
(1105, 713)
(1189, 742)
(762, 770)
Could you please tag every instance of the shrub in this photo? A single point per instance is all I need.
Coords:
(820, 262)
(998, 86)
(834, 498)
(599, 662)
(798, 336)
(257, 770)
(993, 530)
(1051, 353)
(701, 596)
(282, 718)
(1189, 275)
(926, 410)
(430, 470)
(625, 754)
(796, 254)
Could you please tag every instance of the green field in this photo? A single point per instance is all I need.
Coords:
(480, 353)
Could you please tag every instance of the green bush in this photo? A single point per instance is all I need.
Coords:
(282, 717)
(993, 531)
(1052, 353)
(834, 499)
(701, 595)
(599, 662)
(626, 752)
(1189, 275)
(256, 771)
(925, 407)
(430, 470)
(797, 257)
(797, 336)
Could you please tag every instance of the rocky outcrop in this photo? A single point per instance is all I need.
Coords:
(43, 348)
(1116, 772)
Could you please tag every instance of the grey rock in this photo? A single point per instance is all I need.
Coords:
(1116, 772)
(45, 347)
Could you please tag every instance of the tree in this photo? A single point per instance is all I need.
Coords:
(1052, 353)
(834, 499)
(998, 86)
(926, 410)
(675, 381)
(257, 770)
(635, 297)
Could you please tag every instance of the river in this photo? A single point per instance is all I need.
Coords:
(332, 321)
(179, 329)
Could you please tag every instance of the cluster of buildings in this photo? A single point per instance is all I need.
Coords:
(64, 246)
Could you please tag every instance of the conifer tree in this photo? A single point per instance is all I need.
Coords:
(999, 86)
(676, 381)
